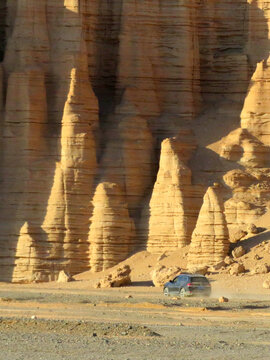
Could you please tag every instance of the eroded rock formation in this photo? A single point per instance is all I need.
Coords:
(112, 231)
(210, 239)
(98, 101)
(174, 203)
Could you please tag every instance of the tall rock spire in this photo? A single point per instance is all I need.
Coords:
(210, 239)
(112, 231)
(69, 210)
(174, 203)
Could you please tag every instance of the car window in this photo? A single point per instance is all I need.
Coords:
(199, 280)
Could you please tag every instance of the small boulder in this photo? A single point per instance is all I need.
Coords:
(64, 277)
(162, 274)
(237, 269)
(117, 278)
(236, 235)
(223, 299)
(252, 229)
(228, 260)
(238, 252)
(266, 284)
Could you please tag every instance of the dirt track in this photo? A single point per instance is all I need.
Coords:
(105, 324)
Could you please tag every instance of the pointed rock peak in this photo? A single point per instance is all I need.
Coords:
(210, 239)
(25, 229)
(28, 229)
(110, 191)
(183, 145)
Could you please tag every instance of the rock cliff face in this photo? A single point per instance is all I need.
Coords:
(116, 116)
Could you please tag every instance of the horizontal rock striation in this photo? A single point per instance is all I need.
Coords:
(210, 239)
(115, 118)
(175, 203)
(112, 231)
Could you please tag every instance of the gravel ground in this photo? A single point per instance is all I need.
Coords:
(37, 339)
(122, 324)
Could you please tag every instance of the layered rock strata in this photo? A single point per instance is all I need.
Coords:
(210, 239)
(69, 210)
(146, 70)
(112, 231)
(175, 203)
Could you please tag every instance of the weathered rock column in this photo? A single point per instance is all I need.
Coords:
(112, 231)
(210, 239)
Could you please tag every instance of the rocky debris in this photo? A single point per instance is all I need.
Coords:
(228, 260)
(199, 270)
(217, 267)
(266, 284)
(240, 209)
(236, 235)
(238, 252)
(210, 239)
(64, 277)
(260, 269)
(223, 299)
(117, 278)
(154, 67)
(252, 229)
(162, 274)
(236, 269)
(241, 146)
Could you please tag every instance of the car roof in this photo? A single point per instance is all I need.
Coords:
(187, 274)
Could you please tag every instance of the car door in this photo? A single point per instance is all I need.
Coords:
(177, 284)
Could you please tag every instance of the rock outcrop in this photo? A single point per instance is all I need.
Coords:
(174, 203)
(67, 218)
(112, 231)
(210, 239)
(89, 93)
(162, 274)
(117, 278)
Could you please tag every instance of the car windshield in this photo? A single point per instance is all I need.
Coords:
(199, 280)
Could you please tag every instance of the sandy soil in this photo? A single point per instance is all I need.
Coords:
(76, 321)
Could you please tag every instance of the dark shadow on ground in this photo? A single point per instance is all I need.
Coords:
(253, 241)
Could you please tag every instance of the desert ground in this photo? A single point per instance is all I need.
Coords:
(76, 321)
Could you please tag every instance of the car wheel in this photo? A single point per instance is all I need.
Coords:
(182, 292)
(166, 291)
